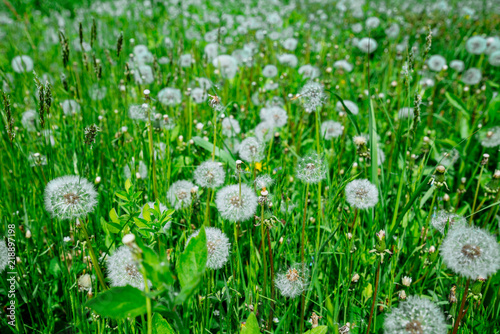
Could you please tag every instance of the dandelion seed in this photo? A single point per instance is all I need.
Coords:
(169, 96)
(274, 114)
(227, 65)
(218, 246)
(288, 60)
(234, 207)
(292, 282)
(494, 58)
(309, 72)
(471, 252)
(264, 131)
(436, 63)
(361, 194)
(179, 194)
(251, 150)
(492, 137)
(69, 197)
(263, 181)
(476, 45)
(311, 169)
(416, 315)
(457, 65)
(123, 269)
(343, 65)
(472, 76)
(270, 71)
(367, 45)
(209, 174)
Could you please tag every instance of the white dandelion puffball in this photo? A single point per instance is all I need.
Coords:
(275, 114)
(471, 252)
(162, 208)
(198, 95)
(416, 315)
(457, 65)
(309, 71)
(331, 129)
(170, 96)
(288, 60)
(209, 174)
(476, 45)
(263, 181)
(70, 196)
(123, 269)
(179, 194)
(230, 127)
(143, 75)
(292, 282)
(97, 93)
(70, 107)
(311, 169)
(367, 45)
(443, 218)
(436, 63)
(234, 207)
(218, 246)
(227, 65)
(344, 65)
(312, 96)
(290, 44)
(138, 112)
(21, 64)
(264, 131)
(29, 120)
(361, 194)
(251, 150)
(270, 71)
(472, 76)
(494, 58)
(492, 137)
(353, 107)
(4, 255)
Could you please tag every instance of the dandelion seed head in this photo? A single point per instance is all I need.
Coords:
(209, 174)
(263, 181)
(476, 45)
(471, 252)
(311, 169)
(331, 129)
(4, 255)
(123, 270)
(353, 107)
(21, 64)
(218, 247)
(361, 194)
(312, 96)
(443, 218)
(275, 114)
(405, 113)
(293, 281)
(436, 63)
(69, 197)
(492, 137)
(416, 315)
(233, 207)
(367, 45)
(251, 150)
(170, 96)
(264, 131)
(472, 76)
(179, 194)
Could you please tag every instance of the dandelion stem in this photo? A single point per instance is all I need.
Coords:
(94, 258)
(374, 298)
(152, 155)
(475, 195)
(462, 304)
(493, 208)
(271, 264)
(263, 243)
(207, 211)
(148, 303)
(303, 306)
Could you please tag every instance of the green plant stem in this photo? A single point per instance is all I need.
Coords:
(462, 304)
(148, 303)
(302, 308)
(475, 195)
(207, 210)
(95, 262)
(374, 298)
(152, 156)
(263, 244)
(271, 264)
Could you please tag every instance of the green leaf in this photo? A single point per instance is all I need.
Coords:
(145, 212)
(367, 292)
(161, 326)
(349, 113)
(54, 267)
(128, 184)
(455, 101)
(318, 330)
(191, 265)
(119, 303)
(114, 216)
(223, 155)
(157, 268)
(426, 196)
(330, 312)
(251, 326)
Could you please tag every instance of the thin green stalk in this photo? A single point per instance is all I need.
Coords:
(475, 195)
(461, 314)
(374, 297)
(263, 244)
(95, 262)
(148, 303)
(303, 301)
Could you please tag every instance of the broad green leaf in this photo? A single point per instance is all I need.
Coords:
(54, 267)
(367, 292)
(128, 184)
(145, 212)
(318, 330)
(114, 216)
(161, 326)
(251, 326)
(426, 196)
(157, 268)
(330, 313)
(191, 265)
(119, 303)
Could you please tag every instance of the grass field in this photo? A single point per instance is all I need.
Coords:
(250, 166)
